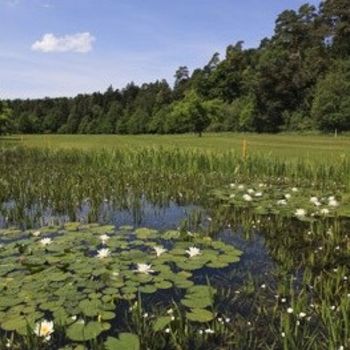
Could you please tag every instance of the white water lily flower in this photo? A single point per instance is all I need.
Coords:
(144, 268)
(232, 185)
(300, 213)
(104, 239)
(290, 310)
(302, 314)
(333, 203)
(103, 253)
(44, 329)
(36, 234)
(232, 195)
(247, 198)
(324, 211)
(167, 330)
(282, 202)
(258, 194)
(159, 250)
(209, 331)
(193, 251)
(287, 196)
(45, 241)
(241, 187)
(250, 191)
(313, 199)
(294, 189)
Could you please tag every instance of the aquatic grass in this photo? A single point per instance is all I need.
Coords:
(38, 183)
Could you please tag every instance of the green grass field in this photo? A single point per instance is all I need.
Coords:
(296, 146)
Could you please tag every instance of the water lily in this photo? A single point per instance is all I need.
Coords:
(290, 310)
(193, 251)
(324, 211)
(159, 250)
(247, 197)
(333, 203)
(144, 268)
(104, 239)
(250, 191)
(294, 189)
(300, 213)
(103, 253)
(287, 196)
(258, 194)
(45, 241)
(36, 234)
(44, 329)
(209, 331)
(314, 200)
(282, 202)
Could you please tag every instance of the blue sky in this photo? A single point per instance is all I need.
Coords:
(95, 43)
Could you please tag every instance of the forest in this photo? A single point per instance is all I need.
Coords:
(297, 80)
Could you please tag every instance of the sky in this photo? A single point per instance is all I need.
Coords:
(64, 47)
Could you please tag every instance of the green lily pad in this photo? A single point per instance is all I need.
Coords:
(200, 315)
(126, 341)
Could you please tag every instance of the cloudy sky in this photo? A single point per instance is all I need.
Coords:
(65, 47)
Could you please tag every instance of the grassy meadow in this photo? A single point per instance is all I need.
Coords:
(286, 146)
(175, 242)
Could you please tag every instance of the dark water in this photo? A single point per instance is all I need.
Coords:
(255, 259)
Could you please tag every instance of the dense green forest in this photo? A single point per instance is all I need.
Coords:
(299, 79)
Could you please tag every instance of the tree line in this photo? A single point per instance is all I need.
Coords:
(299, 79)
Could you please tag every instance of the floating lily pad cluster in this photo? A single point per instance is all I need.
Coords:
(75, 275)
(302, 203)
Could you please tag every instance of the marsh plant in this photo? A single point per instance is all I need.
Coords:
(67, 282)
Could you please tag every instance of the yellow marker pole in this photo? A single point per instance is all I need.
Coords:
(244, 149)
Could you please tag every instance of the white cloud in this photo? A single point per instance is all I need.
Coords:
(79, 42)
